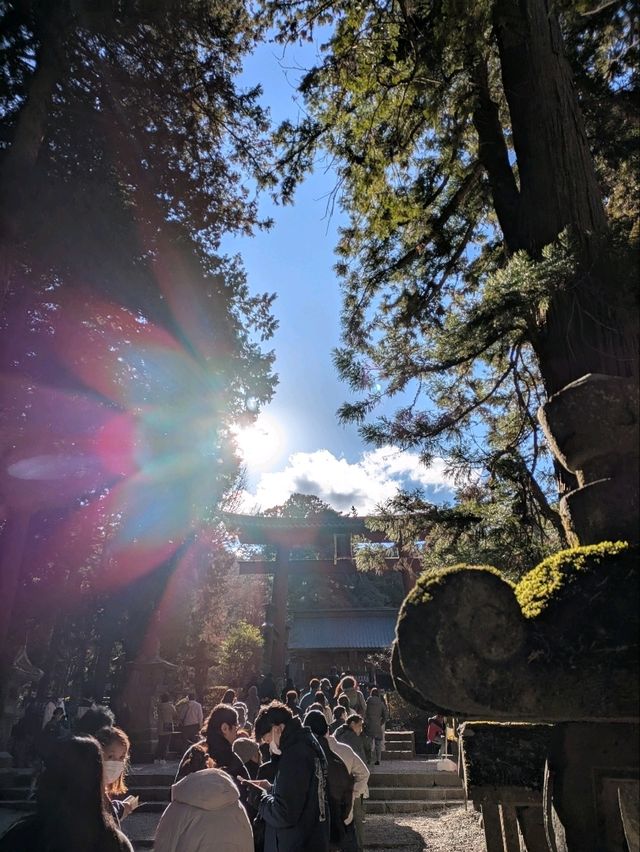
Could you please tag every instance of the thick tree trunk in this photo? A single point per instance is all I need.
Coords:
(588, 327)
(558, 183)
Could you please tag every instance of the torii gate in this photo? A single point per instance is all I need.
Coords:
(328, 534)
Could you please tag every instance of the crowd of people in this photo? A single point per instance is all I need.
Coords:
(273, 772)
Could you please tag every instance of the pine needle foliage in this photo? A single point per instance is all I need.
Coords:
(480, 268)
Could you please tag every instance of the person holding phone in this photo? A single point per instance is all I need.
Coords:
(115, 759)
(295, 808)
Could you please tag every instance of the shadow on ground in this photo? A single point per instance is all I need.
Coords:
(391, 834)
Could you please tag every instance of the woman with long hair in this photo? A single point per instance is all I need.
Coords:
(72, 813)
(115, 759)
(348, 686)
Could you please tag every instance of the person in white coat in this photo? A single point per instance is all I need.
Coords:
(205, 815)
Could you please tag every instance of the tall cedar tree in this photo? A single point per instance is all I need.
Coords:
(485, 155)
(124, 138)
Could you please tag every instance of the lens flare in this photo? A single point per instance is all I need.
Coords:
(261, 443)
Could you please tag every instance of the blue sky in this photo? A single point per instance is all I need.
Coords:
(298, 443)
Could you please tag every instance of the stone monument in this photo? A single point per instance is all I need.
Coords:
(558, 649)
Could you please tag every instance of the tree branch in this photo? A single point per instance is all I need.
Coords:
(494, 156)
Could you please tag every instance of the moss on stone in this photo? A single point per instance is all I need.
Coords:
(504, 755)
(552, 578)
(422, 591)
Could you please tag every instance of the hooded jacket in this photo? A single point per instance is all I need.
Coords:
(296, 812)
(375, 716)
(205, 814)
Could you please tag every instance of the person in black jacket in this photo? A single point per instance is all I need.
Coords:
(295, 808)
(219, 734)
(340, 784)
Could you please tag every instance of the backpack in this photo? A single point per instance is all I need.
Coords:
(340, 789)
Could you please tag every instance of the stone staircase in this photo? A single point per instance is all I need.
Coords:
(400, 785)
(412, 787)
(399, 745)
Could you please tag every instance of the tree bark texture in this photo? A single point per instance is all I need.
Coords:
(589, 324)
(558, 183)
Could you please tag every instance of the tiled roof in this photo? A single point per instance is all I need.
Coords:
(337, 629)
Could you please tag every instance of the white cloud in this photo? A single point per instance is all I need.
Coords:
(376, 477)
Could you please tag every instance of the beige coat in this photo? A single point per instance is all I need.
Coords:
(205, 815)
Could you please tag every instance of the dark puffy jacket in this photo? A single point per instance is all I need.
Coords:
(346, 735)
(296, 812)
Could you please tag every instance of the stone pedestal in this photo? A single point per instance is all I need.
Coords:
(590, 768)
(560, 648)
(592, 426)
(146, 680)
(503, 768)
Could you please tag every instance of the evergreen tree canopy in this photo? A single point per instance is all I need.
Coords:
(485, 263)
(301, 506)
(130, 348)
(124, 137)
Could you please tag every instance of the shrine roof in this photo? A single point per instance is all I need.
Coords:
(264, 529)
(367, 629)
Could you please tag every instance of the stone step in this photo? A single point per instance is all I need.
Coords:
(400, 806)
(27, 805)
(398, 735)
(13, 793)
(146, 793)
(150, 779)
(18, 805)
(15, 777)
(400, 754)
(413, 794)
(408, 743)
(414, 779)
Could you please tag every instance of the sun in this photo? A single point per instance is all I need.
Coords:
(262, 442)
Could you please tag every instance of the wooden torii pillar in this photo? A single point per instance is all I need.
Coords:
(330, 536)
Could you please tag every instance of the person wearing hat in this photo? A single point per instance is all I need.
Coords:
(248, 751)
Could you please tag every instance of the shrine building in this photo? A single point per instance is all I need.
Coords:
(307, 641)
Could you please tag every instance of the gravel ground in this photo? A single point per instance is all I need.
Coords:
(450, 830)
